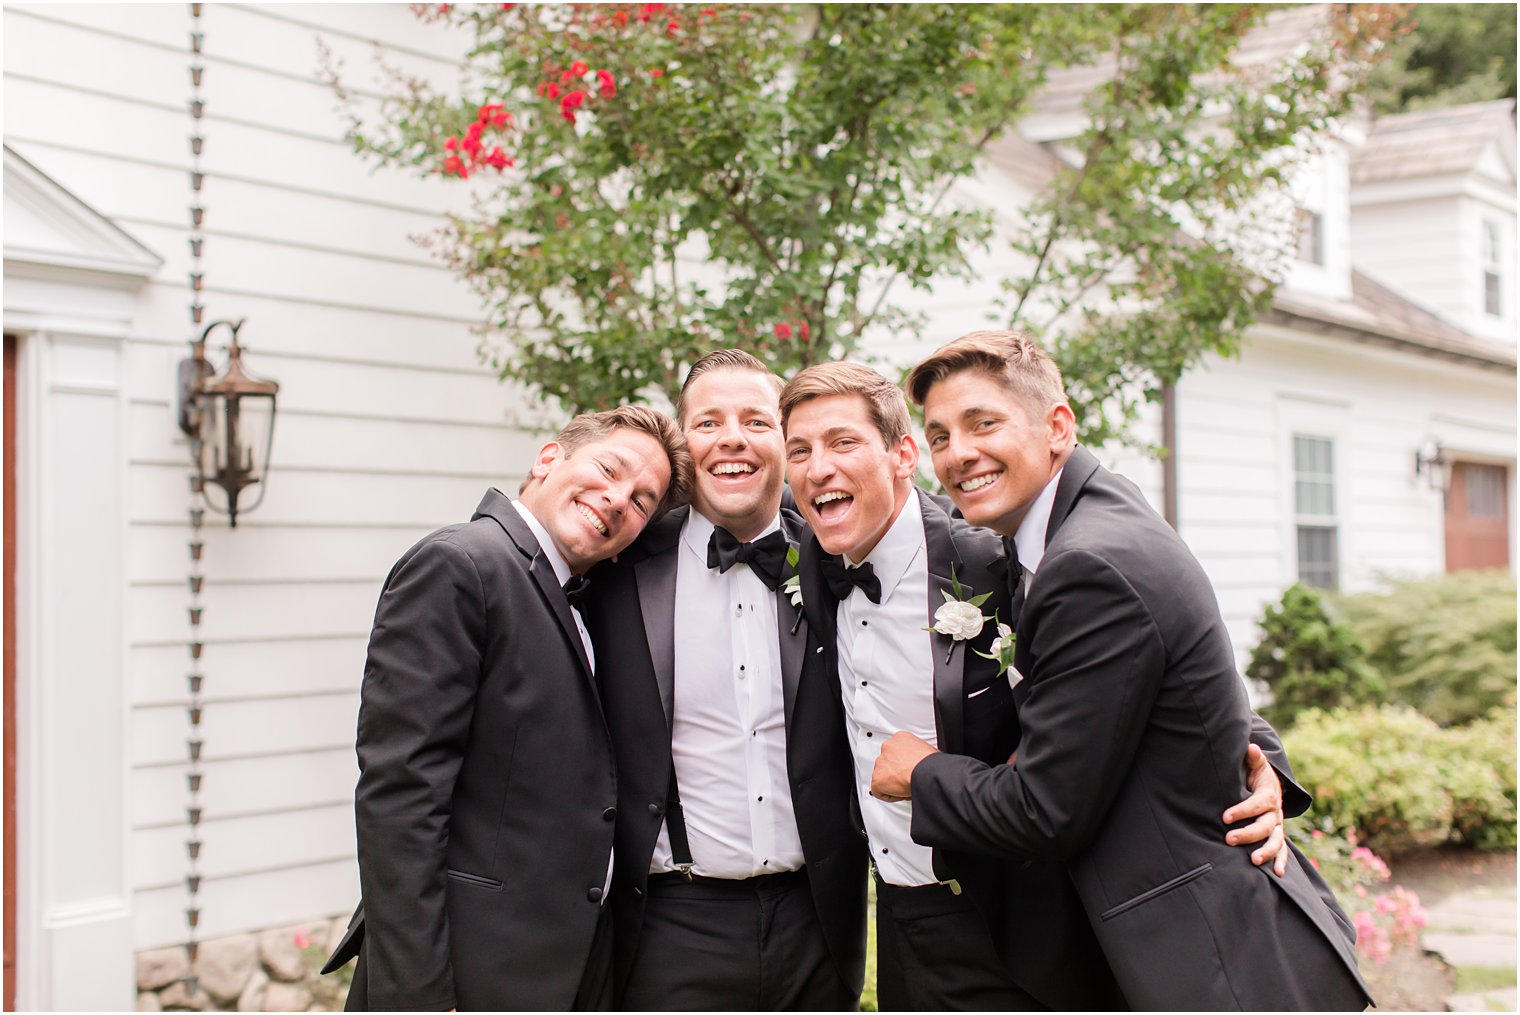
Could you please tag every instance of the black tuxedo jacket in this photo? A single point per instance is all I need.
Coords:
(1050, 951)
(1134, 726)
(631, 617)
(485, 801)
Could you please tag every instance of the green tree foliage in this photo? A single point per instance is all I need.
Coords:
(1400, 781)
(1453, 53)
(1445, 645)
(660, 180)
(1308, 660)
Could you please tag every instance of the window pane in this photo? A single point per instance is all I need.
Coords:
(1311, 232)
(1485, 490)
(1491, 293)
(1491, 243)
(1316, 556)
(1313, 477)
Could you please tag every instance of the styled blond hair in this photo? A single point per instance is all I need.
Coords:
(1009, 357)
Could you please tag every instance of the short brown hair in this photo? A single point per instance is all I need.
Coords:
(1012, 358)
(592, 426)
(884, 401)
(722, 359)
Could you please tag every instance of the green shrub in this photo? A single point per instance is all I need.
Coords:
(1483, 809)
(1400, 781)
(1308, 660)
(1445, 646)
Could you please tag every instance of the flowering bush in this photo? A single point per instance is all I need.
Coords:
(1398, 780)
(1383, 920)
(655, 180)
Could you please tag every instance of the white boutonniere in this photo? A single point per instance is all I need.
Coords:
(792, 586)
(961, 616)
(1002, 647)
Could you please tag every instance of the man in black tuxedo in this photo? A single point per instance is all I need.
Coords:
(884, 563)
(486, 792)
(740, 880)
(1133, 716)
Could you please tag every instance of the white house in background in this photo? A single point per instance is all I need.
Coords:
(1297, 460)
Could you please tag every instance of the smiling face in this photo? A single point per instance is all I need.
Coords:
(595, 500)
(992, 457)
(849, 483)
(733, 427)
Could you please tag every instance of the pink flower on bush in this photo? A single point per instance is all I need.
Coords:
(1371, 940)
(783, 330)
(303, 940)
(1370, 862)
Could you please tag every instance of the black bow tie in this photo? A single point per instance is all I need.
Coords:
(766, 556)
(843, 580)
(576, 587)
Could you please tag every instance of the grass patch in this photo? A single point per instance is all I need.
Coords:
(1477, 979)
(868, 993)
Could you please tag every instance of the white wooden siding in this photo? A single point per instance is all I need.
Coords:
(388, 424)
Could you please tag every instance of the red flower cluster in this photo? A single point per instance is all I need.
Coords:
(565, 88)
(468, 152)
(785, 328)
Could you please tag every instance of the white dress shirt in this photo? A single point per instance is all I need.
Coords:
(1029, 539)
(562, 574)
(886, 673)
(728, 739)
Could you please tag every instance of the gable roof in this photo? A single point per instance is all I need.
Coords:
(1436, 142)
(50, 230)
(1377, 315)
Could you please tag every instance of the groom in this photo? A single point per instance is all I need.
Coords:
(1133, 715)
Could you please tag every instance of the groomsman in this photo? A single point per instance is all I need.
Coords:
(486, 792)
(954, 930)
(740, 880)
(1132, 713)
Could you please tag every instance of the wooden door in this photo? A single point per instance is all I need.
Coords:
(1477, 517)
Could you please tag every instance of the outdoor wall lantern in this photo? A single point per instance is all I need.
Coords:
(230, 423)
(1431, 462)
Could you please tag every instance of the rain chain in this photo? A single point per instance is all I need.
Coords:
(197, 516)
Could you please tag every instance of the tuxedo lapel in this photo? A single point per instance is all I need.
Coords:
(500, 509)
(655, 578)
(949, 654)
(1078, 470)
(791, 626)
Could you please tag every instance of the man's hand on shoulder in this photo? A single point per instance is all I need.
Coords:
(892, 778)
(1265, 805)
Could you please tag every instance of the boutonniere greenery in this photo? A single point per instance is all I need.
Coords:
(1002, 647)
(792, 586)
(961, 615)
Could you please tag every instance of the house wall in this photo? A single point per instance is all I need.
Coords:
(1236, 421)
(387, 427)
(1424, 239)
